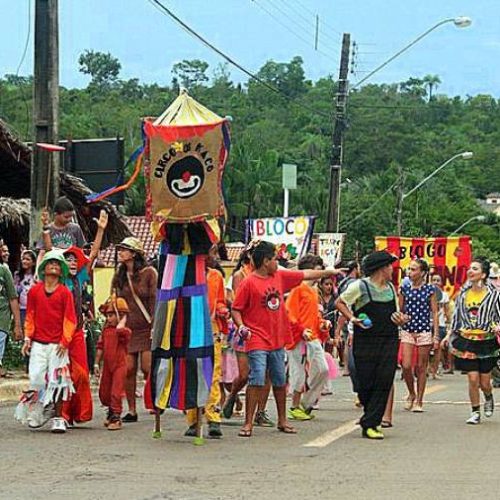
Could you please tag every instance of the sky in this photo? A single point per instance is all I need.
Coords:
(147, 43)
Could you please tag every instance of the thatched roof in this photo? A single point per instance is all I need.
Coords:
(15, 169)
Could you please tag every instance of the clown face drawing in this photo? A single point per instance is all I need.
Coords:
(185, 177)
(271, 299)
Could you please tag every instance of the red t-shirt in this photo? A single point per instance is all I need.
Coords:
(260, 300)
(50, 319)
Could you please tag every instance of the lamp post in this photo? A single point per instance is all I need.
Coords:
(465, 155)
(480, 218)
(459, 22)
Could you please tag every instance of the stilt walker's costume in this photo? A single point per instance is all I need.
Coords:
(218, 315)
(186, 150)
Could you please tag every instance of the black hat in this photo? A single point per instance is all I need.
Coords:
(377, 260)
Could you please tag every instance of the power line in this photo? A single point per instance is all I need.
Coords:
(280, 22)
(166, 11)
(307, 9)
(345, 224)
(309, 23)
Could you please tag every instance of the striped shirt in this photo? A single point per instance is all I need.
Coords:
(488, 314)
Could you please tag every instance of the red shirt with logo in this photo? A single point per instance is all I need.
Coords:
(261, 302)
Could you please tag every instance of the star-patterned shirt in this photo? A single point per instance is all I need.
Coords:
(417, 304)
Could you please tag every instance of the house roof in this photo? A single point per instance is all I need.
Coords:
(140, 228)
(15, 173)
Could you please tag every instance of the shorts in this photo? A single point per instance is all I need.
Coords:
(261, 362)
(442, 332)
(418, 339)
(481, 365)
(3, 342)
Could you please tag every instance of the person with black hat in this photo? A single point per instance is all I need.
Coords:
(375, 317)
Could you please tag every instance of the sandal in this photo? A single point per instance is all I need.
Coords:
(245, 433)
(287, 429)
(409, 403)
(385, 424)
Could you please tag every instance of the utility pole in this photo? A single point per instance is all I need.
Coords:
(45, 165)
(333, 216)
(400, 199)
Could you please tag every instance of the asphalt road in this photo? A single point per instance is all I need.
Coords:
(434, 454)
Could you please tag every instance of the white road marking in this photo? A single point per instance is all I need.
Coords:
(333, 435)
(434, 388)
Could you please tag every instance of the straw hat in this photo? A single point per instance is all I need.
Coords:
(112, 305)
(133, 244)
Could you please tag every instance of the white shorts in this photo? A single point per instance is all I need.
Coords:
(49, 373)
(418, 339)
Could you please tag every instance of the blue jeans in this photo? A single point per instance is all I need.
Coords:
(3, 343)
(261, 362)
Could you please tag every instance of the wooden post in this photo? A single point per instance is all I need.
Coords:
(45, 165)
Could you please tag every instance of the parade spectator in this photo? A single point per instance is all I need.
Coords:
(260, 315)
(4, 254)
(309, 331)
(444, 319)
(50, 326)
(63, 232)
(473, 336)
(9, 309)
(112, 351)
(418, 301)
(24, 279)
(136, 282)
(375, 318)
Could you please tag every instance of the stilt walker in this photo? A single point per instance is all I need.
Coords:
(185, 152)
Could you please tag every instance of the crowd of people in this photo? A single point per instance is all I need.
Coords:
(274, 329)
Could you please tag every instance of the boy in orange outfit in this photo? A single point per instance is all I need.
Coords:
(219, 314)
(309, 330)
(112, 349)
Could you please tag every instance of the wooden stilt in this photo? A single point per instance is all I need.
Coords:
(198, 440)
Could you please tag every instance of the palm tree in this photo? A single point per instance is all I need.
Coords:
(431, 82)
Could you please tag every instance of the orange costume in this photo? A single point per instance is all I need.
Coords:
(114, 343)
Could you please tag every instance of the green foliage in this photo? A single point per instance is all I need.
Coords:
(406, 128)
(13, 358)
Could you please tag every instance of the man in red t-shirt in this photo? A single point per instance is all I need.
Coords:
(259, 313)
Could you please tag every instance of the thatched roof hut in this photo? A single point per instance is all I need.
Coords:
(15, 168)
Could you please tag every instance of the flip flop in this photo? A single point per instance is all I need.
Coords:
(287, 429)
(245, 433)
(385, 424)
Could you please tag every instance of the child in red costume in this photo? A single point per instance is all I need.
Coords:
(112, 349)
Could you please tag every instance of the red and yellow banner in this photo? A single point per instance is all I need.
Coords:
(448, 257)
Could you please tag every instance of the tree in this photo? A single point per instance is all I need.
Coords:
(102, 67)
(191, 73)
(431, 82)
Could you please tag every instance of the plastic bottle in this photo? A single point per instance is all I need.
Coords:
(365, 320)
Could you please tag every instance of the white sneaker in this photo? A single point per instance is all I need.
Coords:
(474, 419)
(58, 425)
(489, 407)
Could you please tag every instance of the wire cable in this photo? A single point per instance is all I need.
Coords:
(345, 224)
(279, 21)
(166, 11)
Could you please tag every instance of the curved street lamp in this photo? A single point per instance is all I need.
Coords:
(459, 22)
(465, 155)
(480, 218)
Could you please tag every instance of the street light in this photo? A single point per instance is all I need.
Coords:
(465, 155)
(459, 22)
(480, 218)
